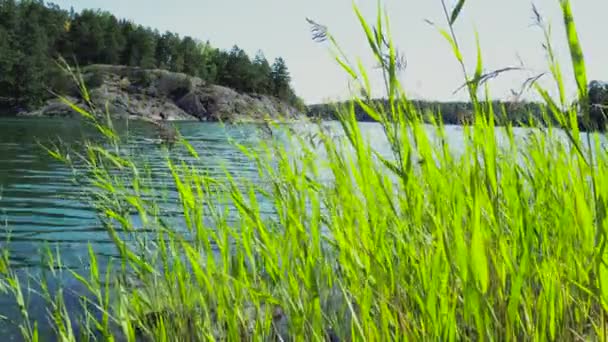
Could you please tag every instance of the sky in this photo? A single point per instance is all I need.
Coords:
(278, 28)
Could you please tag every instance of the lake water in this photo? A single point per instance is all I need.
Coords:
(40, 205)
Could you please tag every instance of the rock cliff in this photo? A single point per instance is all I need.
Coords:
(162, 95)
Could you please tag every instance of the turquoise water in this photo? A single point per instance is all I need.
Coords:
(44, 205)
(41, 205)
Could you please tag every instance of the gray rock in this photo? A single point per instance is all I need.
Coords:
(194, 104)
(53, 108)
(162, 95)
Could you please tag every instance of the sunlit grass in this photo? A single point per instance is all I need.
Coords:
(506, 241)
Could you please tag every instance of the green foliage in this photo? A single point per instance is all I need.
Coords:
(193, 60)
(280, 78)
(32, 67)
(114, 41)
(167, 52)
(33, 35)
(208, 68)
(140, 48)
(237, 71)
(262, 74)
(8, 62)
(87, 37)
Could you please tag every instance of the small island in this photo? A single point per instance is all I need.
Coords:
(131, 70)
(161, 95)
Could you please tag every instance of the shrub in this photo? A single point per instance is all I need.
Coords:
(174, 85)
(94, 79)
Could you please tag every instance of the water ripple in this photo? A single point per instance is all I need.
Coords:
(41, 205)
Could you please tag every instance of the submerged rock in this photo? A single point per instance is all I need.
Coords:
(160, 95)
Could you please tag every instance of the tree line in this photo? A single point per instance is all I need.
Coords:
(450, 113)
(517, 113)
(34, 34)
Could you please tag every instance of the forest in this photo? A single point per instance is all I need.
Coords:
(35, 35)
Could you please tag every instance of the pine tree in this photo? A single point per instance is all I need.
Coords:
(220, 60)
(128, 56)
(280, 79)
(10, 53)
(167, 54)
(262, 82)
(238, 71)
(140, 46)
(114, 41)
(191, 55)
(54, 21)
(147, 47)
(7, 63)
(208, 69)
(32, 68)
(87, 37)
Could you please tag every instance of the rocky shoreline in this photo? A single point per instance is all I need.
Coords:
(160, 95)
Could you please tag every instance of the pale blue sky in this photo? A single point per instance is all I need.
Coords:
(278, 28)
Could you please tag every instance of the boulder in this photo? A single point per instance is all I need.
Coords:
(194, 104)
